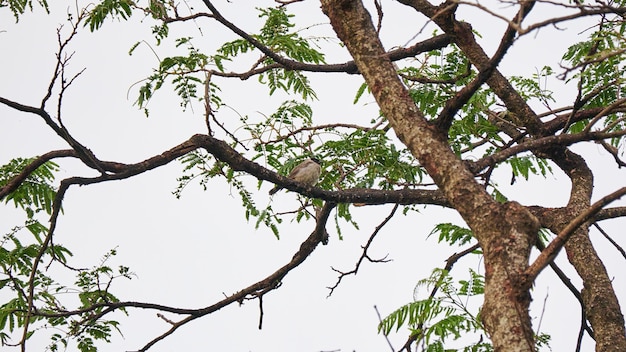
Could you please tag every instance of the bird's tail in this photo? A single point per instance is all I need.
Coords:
(274, 190)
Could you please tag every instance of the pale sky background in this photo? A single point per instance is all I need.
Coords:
(188, 253)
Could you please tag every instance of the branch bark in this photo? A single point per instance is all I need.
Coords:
(505, 232)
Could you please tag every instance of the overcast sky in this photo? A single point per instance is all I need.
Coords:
(191, 252)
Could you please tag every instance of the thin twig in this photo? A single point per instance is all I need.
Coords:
(56, 208)
(380, 320)
(606, 235)
(364, 254)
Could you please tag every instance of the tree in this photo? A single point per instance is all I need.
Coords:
(451, 128)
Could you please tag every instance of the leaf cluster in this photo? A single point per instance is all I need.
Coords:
(452, 234)
(91, 288)
(602, 74)
(277, 35)
(188, 75)
(121, 9)
(526, 165)
(34, 194)
(18, 7)
(444, 317)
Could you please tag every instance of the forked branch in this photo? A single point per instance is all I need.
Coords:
(552, 249)
(364, 255)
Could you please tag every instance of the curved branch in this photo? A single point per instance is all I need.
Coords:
(256, 290)
(82, 152)
(445, 118)
(364, 255)
(16, 181)
(222, 151)
(436, 42)
(561, 140)
(555, 246)
(261, 287)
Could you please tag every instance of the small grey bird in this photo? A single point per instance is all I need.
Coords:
(307, 172)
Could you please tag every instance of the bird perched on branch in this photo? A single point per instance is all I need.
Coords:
(307, 173)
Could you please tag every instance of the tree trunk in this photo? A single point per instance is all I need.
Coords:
(600, 302)
(505, 231)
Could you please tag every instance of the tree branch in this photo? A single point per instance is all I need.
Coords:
(56, 208)
(536, 144)
(265, 285)
(548, 255)
(452, 106)
(364, 255)
(433, 43)
(612, 241)
(16, 181)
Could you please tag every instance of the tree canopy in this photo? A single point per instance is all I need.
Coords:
(481, 139)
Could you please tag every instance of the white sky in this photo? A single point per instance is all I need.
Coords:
(190, 252)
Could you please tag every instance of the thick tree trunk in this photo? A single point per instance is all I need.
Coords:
(505, 232)
(599, 298)
(601, 305)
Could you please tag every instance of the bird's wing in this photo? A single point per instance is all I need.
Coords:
(296, 170)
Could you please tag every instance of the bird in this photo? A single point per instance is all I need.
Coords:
(307, 173)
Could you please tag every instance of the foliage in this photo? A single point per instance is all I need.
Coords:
(601, 78)
(18, 7)
(186, 75)
(437, 319)
(19, 254)
(36, 193)
(109, 8)
(528, 165)
(17, 258)
(453, 234)
(356, 156)
(276, 36)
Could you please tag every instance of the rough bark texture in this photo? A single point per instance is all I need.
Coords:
(599, 298)
(601, 304)
(505, 232)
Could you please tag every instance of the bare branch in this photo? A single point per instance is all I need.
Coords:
(380, 321)
(364, 255)
(286, 2)
(568, 283)
(615, 244)
(265, 285)
(614, 153)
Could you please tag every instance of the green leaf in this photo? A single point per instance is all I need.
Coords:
(36, 190)
(360, 92)
(453, 234)
(108, 8)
